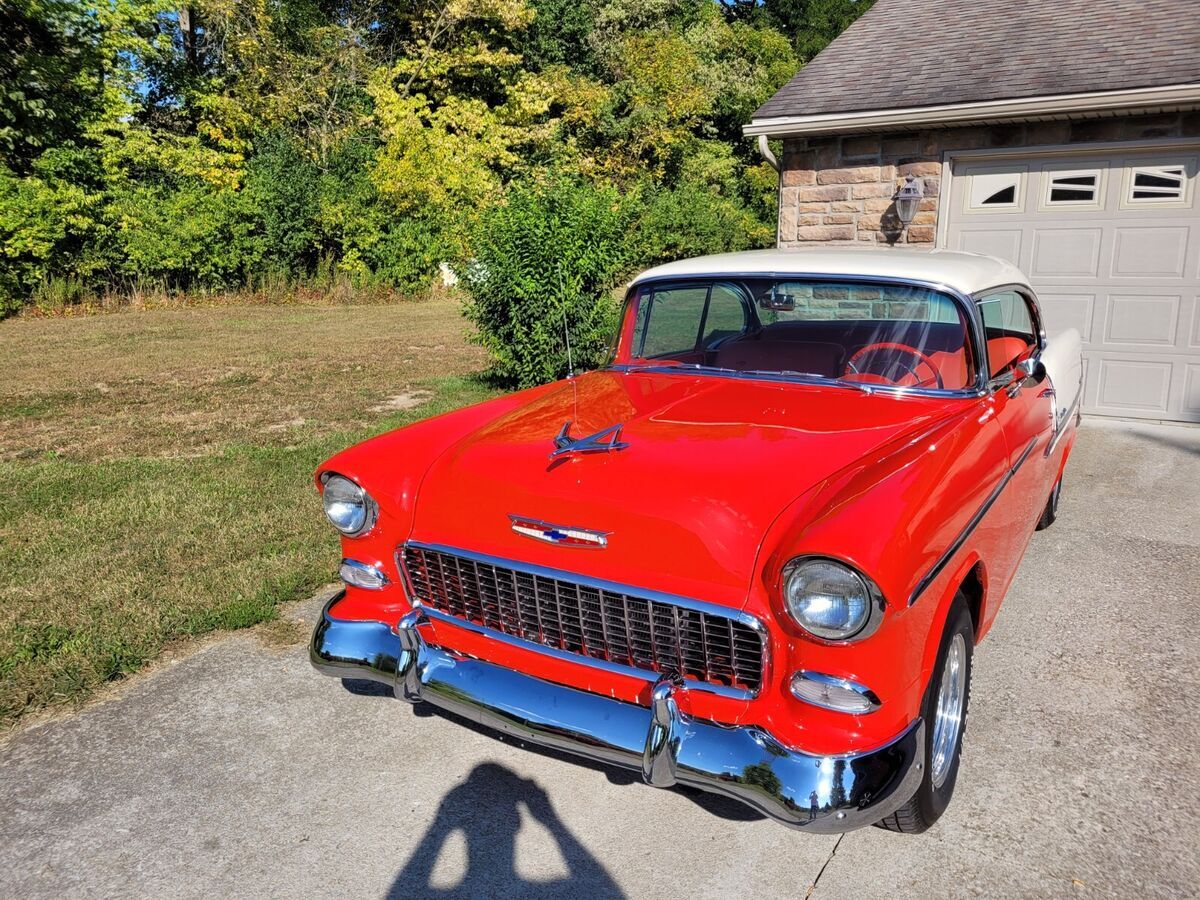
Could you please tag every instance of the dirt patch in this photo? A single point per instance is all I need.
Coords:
(281, 633)
(403, 400)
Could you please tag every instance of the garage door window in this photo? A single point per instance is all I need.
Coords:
(1160, 185)
(999, 191)
(1079, 188)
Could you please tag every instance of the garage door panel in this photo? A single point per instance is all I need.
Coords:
(1191, 392)
(1129, 385)
(1063, 311)
(1123, 270)
(1003, 244)
(1149, 252)
(1065, 252)
(1142, 319)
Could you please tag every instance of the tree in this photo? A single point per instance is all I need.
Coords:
(50, 76)
(812, 24)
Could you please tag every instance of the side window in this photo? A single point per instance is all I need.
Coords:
(672, 323)
(1008, 326)
(726, 315)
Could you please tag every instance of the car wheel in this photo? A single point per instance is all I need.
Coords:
(944, 710)
(1050, 513)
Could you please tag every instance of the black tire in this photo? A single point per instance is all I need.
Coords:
(929, 802)
(1050, 513)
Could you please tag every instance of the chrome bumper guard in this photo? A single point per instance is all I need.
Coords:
(821, 794)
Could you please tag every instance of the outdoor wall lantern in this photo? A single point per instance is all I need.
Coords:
(908, 199)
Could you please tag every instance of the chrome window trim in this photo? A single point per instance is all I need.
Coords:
(956, 545)
(1035, 310)
(702, 606)
(966, 303)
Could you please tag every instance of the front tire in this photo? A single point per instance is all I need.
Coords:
(944, 710)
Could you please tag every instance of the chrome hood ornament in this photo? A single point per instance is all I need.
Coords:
(600, 442)
(563, 535)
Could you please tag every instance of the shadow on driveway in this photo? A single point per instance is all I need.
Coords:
(486, 810)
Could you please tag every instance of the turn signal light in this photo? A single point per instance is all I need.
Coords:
(830, 692)
(361, 575)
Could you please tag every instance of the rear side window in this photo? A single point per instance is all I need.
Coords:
(671, 322)
(1008, 325)
(676, 322)
(726, 315)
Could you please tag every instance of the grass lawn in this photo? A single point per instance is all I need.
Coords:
(156, 470)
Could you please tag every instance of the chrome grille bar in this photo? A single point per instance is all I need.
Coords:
(653, 633)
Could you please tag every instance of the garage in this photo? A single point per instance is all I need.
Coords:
(1111, 242)
(1065, 138)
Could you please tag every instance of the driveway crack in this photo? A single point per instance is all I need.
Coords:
(813, 887)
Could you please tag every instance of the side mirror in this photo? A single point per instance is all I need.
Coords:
(1031, 368)
(1013, 378)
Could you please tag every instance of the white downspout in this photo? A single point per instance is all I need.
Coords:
(764, 148)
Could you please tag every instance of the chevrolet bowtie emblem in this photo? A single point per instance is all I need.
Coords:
(600, 442)
(563, 535)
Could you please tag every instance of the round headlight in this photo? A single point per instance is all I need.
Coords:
(827, 598)
(348, 507)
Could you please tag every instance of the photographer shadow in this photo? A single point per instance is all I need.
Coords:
(486, 811)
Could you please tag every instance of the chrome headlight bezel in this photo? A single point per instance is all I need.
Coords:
(872, 615)
(370, 509)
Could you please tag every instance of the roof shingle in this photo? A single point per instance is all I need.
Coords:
(911, 53)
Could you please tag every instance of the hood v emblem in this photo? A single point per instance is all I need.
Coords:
(565, 445)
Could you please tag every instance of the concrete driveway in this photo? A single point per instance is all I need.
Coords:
(237, 771)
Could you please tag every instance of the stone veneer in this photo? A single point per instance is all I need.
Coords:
(840, 189)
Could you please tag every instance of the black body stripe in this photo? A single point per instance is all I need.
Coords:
(971, 526)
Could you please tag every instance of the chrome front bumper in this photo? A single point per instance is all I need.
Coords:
(821, 794)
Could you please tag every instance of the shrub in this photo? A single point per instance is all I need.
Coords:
(282, 186)
(548, 258)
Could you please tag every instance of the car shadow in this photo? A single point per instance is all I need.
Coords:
(1186, 439)
(486, 811)
(714, 804)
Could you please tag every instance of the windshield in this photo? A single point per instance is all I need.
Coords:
(851, 333)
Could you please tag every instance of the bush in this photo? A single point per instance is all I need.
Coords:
(549, 257)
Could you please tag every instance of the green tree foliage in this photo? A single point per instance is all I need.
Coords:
(546, 263)
(215, 143)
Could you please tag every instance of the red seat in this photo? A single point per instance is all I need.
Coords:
(754, 353)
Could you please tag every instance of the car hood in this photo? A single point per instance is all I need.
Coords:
(710, 463)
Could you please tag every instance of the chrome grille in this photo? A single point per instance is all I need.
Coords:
(617, 627)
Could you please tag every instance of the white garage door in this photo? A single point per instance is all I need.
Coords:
(1111, 243)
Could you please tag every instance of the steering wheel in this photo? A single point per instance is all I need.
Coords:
(892, 363)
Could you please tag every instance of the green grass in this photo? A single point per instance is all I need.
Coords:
(105, 559)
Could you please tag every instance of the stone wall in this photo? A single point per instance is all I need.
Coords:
(840, 189)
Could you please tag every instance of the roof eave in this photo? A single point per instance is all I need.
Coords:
(1092, 103)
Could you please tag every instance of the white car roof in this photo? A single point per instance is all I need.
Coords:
(967, 273)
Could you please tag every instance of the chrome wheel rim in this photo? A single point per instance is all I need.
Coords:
(948, 719)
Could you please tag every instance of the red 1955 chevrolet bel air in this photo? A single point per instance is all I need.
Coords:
(752, 555)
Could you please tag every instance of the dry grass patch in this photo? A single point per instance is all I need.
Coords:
(188, 381)
(156, 476)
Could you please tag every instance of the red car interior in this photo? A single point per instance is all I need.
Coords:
(825, 347)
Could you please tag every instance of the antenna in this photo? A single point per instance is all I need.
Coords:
(566, 330)
(567, 337)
